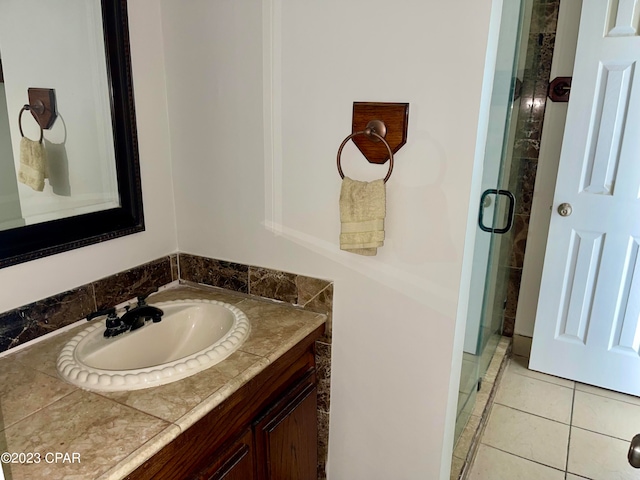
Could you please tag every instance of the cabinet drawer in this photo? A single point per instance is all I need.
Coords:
(235, 463)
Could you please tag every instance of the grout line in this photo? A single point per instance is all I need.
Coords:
(524, 458)
(608, 397)
(104, 396)
(93, 296)
(4, 426)
(532, 414)
(545, 381)
(626, 440)
(576, 475)
(573, 401)
(316, 295)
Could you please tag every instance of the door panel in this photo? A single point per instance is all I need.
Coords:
(583, 261)
(626, 334)
(587, 316)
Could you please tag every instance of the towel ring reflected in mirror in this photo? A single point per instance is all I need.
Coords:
(35, 240)
(35, 109)
(370, 131)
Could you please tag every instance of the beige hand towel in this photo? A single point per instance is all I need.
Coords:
(362, 212)
(33, 164)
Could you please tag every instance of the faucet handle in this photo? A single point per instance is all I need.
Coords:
(142, 299)
(109, 311)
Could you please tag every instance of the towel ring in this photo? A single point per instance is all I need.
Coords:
(35, 109)
(369, 131)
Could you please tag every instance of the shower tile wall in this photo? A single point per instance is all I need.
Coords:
(526, 150)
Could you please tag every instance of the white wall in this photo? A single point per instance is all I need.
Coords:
(260, 96)
(34, 280)
(10, 215)
(60, 45)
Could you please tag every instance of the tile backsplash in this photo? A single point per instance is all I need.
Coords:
(310, 293)
(31, 321)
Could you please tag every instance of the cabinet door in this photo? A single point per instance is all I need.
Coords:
(235, 463)
(287, 437)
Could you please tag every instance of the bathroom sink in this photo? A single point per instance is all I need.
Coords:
(192, 336)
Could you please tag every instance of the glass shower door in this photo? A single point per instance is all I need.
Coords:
(489, 277)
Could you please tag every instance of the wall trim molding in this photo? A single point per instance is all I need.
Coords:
(272, 113)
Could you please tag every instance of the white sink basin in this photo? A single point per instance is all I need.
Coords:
(192, 336)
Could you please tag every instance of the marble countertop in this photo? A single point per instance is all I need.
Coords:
(55, 424)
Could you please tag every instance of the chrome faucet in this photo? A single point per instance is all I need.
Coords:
(131, 320)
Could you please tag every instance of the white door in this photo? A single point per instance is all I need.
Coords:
(588, 317)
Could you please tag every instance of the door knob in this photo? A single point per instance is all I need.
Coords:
(564, 209)
(634, 452)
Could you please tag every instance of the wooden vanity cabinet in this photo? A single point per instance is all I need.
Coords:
(286, 437)
(266, 430)
(235, 463)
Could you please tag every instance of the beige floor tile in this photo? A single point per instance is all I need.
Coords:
(608, 393)
(466, 438)
(571, 476)
(503, 344)
(493, 370)
(522, 345)
(607, 416)
(482, 398)
(463, 419)
(456, 467)
(492, 464)
(599, 457)
(535, 396)
(519, 365)
(534, 438)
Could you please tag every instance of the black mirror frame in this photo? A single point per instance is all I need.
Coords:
(31, 242)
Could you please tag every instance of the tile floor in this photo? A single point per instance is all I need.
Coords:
(548, 428)
(471, 402)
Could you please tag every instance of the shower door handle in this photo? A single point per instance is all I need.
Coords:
(512, 207)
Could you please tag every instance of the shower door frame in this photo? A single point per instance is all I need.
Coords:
(488, 289)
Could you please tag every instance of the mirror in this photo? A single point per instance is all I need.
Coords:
(80, 50)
